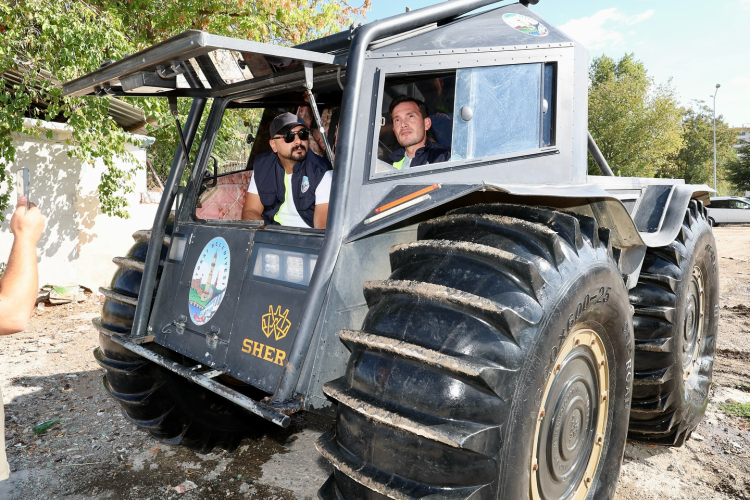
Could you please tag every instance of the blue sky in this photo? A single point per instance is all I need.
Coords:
(695, 43)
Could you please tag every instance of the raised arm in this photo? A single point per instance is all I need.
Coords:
(20, 283)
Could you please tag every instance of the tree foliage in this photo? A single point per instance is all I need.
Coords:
(48, 42)
(635, 122)
(738, 169)
(695, 159)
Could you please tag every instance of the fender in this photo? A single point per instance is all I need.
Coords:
(654, 220)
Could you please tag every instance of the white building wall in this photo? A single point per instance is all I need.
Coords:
(79, 241)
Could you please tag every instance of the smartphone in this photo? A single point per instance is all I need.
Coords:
(22, 184)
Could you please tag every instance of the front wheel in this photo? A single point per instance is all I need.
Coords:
(495, 363)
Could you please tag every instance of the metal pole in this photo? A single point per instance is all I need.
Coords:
(146, 293)
(599, 157)
(717, 91)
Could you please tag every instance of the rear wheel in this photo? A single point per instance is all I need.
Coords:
(676, 306)
(171, 408)
(496, 362)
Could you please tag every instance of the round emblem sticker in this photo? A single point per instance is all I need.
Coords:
(525, 24)
(209, 282)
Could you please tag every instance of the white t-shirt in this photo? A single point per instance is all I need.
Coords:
(287, 214)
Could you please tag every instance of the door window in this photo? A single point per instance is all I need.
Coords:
(473, 113)
(498, 110)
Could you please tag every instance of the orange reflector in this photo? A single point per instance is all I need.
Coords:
(406, 198)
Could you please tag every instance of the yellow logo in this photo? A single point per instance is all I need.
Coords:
(276, 323)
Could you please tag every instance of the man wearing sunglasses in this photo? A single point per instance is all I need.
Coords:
(289, 187)
(410, 125)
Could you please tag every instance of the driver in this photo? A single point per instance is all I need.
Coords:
(289, 187)
(410, 125)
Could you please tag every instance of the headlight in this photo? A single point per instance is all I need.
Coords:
(271, 265)
(283, 265)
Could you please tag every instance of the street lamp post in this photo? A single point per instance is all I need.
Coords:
(714, 96)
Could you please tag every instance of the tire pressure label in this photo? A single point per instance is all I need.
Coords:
(209, 281)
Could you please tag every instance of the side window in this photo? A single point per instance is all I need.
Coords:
(503, 109)
(719, 204)
(235, 138)
(474, 113)
(436, 91)
(737, 204)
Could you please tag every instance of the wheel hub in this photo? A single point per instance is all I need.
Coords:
(693, 328)
(572, 420)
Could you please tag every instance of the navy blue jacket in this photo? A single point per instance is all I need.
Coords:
(269, 178)
(431, 152)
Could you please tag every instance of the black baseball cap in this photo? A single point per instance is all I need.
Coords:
(285, 121)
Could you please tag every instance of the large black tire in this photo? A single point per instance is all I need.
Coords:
(495, 363)
(676, 319)
(171, 408)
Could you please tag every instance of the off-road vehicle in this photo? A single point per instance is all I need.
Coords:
(492, 326)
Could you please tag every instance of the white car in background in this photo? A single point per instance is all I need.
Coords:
(728, 210)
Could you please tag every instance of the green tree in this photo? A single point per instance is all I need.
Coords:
(635, 122)
(695, 159)
(47, 42)
(738, 169)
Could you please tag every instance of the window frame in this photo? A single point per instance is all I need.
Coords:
(385, 72)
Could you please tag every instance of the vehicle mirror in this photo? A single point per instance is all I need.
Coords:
(213, 177)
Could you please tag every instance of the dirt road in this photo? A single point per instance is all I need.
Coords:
(93, 452)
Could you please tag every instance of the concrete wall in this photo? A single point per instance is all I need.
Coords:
(79, 241)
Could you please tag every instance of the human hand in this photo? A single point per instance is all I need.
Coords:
(27, 224)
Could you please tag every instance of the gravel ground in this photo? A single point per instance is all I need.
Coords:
(93, 452)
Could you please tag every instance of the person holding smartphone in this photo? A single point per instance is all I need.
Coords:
(19, 287)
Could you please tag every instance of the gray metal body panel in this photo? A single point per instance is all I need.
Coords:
(364, 259)
(487, 30)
